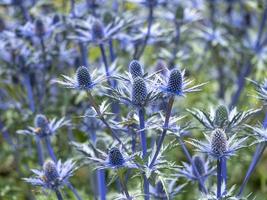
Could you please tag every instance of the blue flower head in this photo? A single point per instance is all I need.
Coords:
(200, 165)
(218, 142)
(221, 116)
(83, 77)
(83, 80)
(115, 157)
(139, 92)
(50, 171)
(136, 69)
(39, 28)
(41, 124)
(218, 145)
(53, 176)
(97, 30)
(175, 82)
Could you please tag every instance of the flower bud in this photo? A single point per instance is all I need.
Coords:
(218, 142)
(175, 82)
(115, 157)
(135, 69)
(50, 171)
(139, 92)
(97, 30)
(83, 77)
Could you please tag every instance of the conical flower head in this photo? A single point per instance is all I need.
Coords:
(115, 157)
(218, 142)
(221, 115)
(50, 171)
(175, 82)
(139, 92)
(40, 121)
(135, 69)
(39, 28)
(200, 165)
(97, 30)
(83, 77)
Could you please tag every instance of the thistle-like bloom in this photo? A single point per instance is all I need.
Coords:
(231, 121)
(114, 159)
(176, 84)
(261, 89)
(83, 80)
(218, 145)
(172, 189)
(139, 92)
(259, 133)
(43, 127)
(53, 175)
(138, 95)
(94, 31)
(203, 167)
(136, 69)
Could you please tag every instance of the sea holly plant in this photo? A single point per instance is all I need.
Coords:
(203, 167)
(220, 117)
(53, 176)
(259, 134)
(114, 159)
(219, 147)
(42, 131)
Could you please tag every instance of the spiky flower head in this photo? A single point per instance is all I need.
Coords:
(39, 28)
(115, 157)
(97, 30)
(175, 81)
(135, 69)
(83, 77)
(50, 171)
(218, 142)
(139, 91)
(221, 115)
(40, 121)
(200, 165)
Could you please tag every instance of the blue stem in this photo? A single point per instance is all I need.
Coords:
(142, 133)
(70, 186)
(101, 184)
(189, 158)
(224, 171)
(138, 54)
(165, 126)
(6, 136)
(39, 151)
(105, 61)
(144, 147)
(256, 158)
(50, 149)
(111, 51)
(219, 178)
(28, 86)
(59, 195)
(84, 54)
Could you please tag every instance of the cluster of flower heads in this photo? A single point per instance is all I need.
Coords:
(36, 43)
